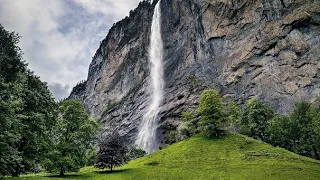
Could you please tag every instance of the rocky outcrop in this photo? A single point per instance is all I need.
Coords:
(251, 48)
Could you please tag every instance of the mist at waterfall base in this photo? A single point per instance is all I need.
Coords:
(147, 139)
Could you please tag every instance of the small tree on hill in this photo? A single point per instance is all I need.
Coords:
(212, 112)
(136, 152)
(112, 152)
(255, 119)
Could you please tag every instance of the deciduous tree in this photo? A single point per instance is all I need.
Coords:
(212, 113)
(112, 151)
(75, 134)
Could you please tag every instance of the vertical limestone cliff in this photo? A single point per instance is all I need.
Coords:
(268, 49)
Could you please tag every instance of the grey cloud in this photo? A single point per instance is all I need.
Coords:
(60, 37)
(59, 91)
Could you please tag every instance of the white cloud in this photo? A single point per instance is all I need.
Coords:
(59, 37)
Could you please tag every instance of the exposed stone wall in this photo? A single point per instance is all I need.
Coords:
(269, 49)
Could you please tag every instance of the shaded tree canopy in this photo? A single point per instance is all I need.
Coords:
(112, 152)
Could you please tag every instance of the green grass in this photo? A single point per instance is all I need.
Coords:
(230, 157)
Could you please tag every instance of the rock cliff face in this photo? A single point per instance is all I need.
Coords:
(268, 49)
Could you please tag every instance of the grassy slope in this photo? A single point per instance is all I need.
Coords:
(230, 157)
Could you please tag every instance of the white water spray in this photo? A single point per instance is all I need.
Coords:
(147, 135)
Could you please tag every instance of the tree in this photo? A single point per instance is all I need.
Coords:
(112, 152)
(234, 116)
(299, 132)
(281, 130)
(305, 118)
(255, 119)
(315, 126)
(12, 65)
(39, 117)
(188, 125)
(74, 136)
(136, 152)
(10, 127)
(27, 110)
(12, 86)
(212, 113)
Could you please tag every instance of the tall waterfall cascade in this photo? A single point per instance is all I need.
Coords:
(147, 139)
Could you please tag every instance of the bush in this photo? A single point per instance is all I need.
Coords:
(173, 136)
(136, 152)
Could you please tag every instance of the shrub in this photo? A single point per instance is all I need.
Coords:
(136, 152)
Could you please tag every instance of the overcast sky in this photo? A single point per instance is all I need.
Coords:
(60, 37)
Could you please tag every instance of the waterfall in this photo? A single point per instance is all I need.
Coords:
(147, 139)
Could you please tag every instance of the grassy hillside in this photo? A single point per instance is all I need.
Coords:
(230, 157)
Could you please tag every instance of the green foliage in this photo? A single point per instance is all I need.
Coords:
(188, 125)
(255, 119)
(234, 115)
(112, 152)
(280, 130)
(27, 111)
(187, 116)
(184, 130)
(12, 65)
(136, 152)
(91, 156)
(173, 135)
(210, 158)
(12, 78)
(298, 132)
(212, 113)
(40, 114)
(74, 135)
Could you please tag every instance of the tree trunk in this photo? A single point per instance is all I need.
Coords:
(15, 174)
(61, 171)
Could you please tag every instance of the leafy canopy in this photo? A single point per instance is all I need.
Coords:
(212, 113)
(255, 119)
(75, 134)
(112, 152)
